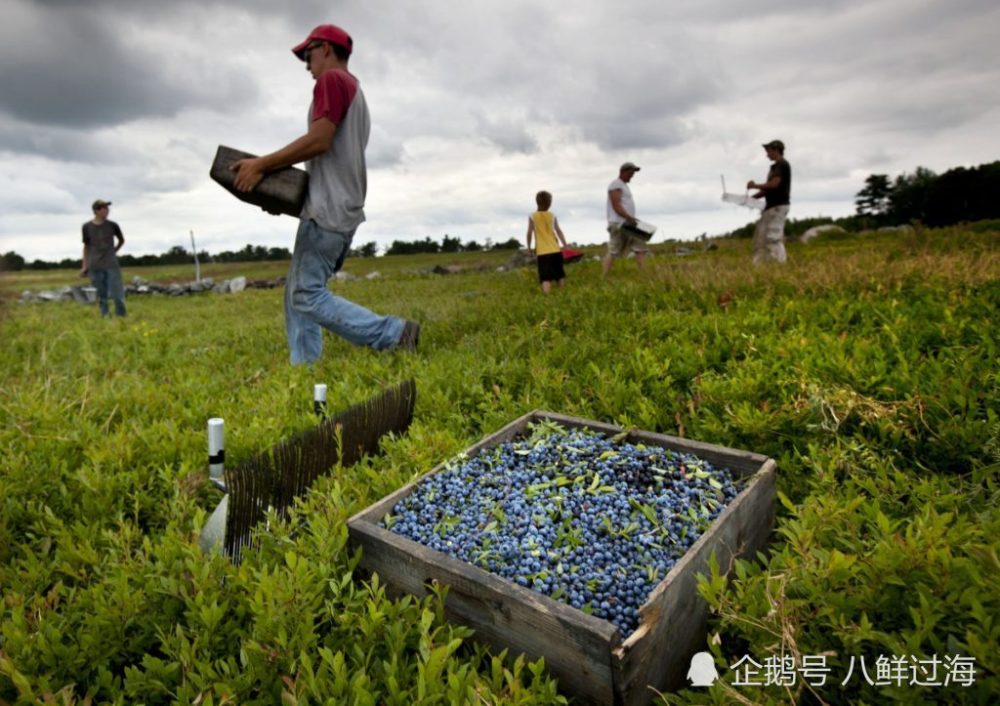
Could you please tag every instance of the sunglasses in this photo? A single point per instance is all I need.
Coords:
(308, 51)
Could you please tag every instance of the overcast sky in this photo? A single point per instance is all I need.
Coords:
(477, 105)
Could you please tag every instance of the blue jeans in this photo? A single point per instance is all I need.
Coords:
(310, 306)
(109, 282)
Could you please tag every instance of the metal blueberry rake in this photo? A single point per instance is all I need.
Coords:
(275, 478)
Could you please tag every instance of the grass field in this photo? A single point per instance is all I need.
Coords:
(866, 366)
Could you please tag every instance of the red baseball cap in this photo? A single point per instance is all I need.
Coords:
(325, 33)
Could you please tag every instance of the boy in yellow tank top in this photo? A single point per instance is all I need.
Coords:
(544, 226)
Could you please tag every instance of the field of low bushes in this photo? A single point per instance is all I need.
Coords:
(866, 366)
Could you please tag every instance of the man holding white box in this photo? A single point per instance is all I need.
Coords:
(621, 217)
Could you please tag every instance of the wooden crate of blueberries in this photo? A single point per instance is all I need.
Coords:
(576, 541)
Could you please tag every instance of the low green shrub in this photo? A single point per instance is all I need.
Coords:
(865, 366)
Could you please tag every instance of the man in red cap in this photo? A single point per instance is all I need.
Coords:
(333, 149)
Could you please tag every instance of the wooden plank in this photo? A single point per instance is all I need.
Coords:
(585, 653)
(576, 647)
(674, 617)
(281, 191)
(735, 459)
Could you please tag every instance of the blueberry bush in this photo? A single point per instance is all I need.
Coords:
(866, 366)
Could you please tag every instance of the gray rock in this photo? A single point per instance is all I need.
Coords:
(222, 287)
(265, 283)
(373, 275)
(522, 258)
(237, 284)
(446, 269)
(816, 231)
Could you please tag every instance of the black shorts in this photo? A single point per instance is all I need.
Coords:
(550, 267)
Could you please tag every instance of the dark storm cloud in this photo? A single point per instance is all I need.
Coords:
(615, 78)
(473, 102)
(889, 68)
(74, 65)
(64, 144)
(509, 133)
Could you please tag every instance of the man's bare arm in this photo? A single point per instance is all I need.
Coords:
(250, 171)
(616, 206)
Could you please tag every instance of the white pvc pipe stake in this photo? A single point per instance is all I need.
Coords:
(319, 399)
(216, 448)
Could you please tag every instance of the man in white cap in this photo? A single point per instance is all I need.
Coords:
(334, 151)
(621, 214)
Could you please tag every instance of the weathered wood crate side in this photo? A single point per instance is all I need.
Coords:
(577, 647)
(585, 653)
(281, 191)
(673, 621)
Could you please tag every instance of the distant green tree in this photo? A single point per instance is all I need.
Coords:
(964, 195)
(911, 196)
(873, 200)
(511, 244)
(11, 262)
(176, 256)
(129, 260)
(406, 247)
(450, 244)
(369, 249)
(472, 246)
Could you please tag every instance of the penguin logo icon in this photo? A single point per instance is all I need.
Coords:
(702, 671)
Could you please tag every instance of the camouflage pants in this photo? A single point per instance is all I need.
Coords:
(769, 236)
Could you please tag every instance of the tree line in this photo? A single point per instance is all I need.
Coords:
(177, 255)
(448, 244)
(959, 195)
